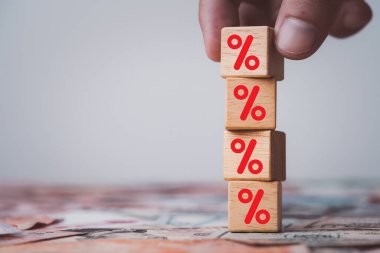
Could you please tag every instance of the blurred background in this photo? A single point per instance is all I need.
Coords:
(122, 91)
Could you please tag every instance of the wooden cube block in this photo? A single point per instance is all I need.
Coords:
(254, 206)
(251, 103)
(250, 52)
(254, 155)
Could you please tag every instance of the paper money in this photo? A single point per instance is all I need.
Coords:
(6, 229)
(153, 246)
(345, 250)
(153, 232)
(29, 222)
(34, 236)
(338, 238)
(338, 223)
(319, 214)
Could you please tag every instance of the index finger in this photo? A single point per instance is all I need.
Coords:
(213, 16)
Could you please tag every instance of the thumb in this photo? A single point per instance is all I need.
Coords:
(303, 25)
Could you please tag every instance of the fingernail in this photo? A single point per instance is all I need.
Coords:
(352, 21)
(296, 36)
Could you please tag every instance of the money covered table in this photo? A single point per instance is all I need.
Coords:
(318, 216)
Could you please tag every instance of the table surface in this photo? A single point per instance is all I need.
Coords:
(318, 216)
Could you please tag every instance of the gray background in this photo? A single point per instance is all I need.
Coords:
(121, 91)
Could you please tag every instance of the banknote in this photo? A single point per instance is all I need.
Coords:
(337, 238)
(319, 214)
(345, 250)
(6, 229)
(296, 231)
(29, 222)
(34, 236)
(153, 232)
(150, 246)
(142, 218)
(337, 223)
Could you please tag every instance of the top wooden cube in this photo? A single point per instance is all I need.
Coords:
(250, 52)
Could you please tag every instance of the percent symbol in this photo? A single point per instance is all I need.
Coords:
(258, 112)
(238, 146)
(261, 216)
(236, 42)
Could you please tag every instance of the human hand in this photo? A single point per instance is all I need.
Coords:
(301, 26)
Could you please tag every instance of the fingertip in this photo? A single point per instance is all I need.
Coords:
(296, 39)
(354, 16)
(295, 56)
(213, 16)
(302, 26)
(213, 51)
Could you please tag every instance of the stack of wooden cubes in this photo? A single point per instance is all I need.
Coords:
(254, 153)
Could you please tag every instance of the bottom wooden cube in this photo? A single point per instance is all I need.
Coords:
(254, 206)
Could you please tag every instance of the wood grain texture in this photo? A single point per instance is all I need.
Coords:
(278, 145)
(266, 98)
(271, 201)
(269, 150)
(271, 62)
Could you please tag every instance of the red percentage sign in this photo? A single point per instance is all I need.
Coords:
(235, 42)
(246, 196)
(258, 112)
(238, 146)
